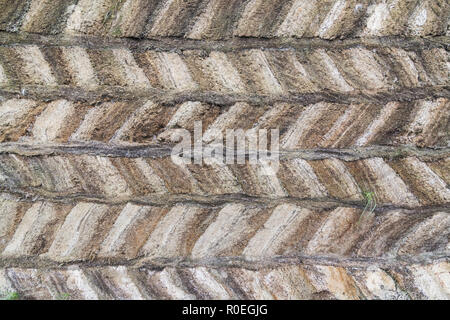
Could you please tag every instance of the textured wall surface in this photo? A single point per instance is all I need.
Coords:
(93, 94)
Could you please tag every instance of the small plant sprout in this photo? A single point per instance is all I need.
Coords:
(63, 296)
(10, 296)
(111, 13)
(371, 204)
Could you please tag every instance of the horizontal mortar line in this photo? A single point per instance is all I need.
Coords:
(164, 150)
(229, 262)
(169, 97)
(230, 44)
(212, 201)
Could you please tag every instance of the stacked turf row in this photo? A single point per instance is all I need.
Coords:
(351, 72)
(222, 19)
(93, 207)
(48, 232)
(282, 282)
(147, 123)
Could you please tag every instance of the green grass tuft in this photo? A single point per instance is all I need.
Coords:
(371, 204)
(63, 296)
(10, 296)
(112, 11)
